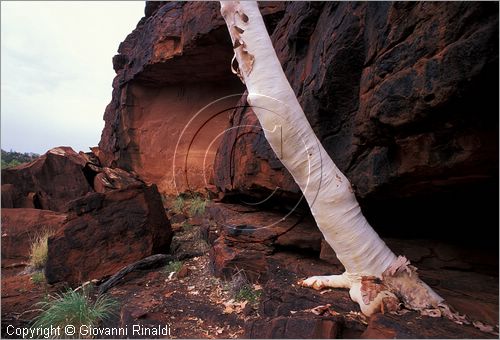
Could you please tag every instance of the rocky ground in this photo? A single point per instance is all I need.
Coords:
(195, 303)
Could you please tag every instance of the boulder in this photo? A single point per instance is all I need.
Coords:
(107, 231)
(228, 259)
(402, 96)
(21, 226)
(244, 238)
(108, 179)
(48, 182)
(59, 176)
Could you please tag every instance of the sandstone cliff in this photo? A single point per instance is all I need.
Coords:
(402, 95)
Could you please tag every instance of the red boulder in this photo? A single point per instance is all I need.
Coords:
(107, 231)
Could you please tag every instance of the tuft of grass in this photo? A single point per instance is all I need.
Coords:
(248, 293)
(186, 225)
(39, 248)
(74, 308)
(38, 278)
(197, 206)
(173, 266)
(179, 204)
(241, 289)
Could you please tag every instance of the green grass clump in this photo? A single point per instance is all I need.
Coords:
(241, 289)
(179, 204)
(74, 308)
(198, 205)
(39, 249)
(173, 266)
(248, 293)
(186, 225)
(38, 278)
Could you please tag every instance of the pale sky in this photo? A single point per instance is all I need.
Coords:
(56, 70)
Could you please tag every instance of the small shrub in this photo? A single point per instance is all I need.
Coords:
(179, 204)
(74, 308)
(38, 278)
(198, 205)
(39, 249)
(173, 266)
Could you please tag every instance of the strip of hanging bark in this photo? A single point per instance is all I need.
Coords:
(148, 262)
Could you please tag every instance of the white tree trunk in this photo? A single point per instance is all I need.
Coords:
(327, 191)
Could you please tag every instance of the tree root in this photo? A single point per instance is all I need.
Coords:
(399, 287)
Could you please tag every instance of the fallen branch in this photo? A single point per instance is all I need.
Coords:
(15, 265)
(148, 262)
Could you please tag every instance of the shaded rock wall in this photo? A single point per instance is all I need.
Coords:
(404, 97)
(400, 93)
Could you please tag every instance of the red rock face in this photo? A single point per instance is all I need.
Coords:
(245, 162)
(166, 118)
(105, 232)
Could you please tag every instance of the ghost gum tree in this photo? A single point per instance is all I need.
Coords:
(377, 279)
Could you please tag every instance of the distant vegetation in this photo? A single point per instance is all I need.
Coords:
(12, 158)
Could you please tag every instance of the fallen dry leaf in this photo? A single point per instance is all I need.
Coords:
(371, 286)
(169, 294)
(483, 327)
(433, 313)
(319, 310)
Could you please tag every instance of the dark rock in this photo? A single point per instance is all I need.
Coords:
(228, 260)
(152, 7)
(292, 328)
(107, 231)
(403, 98)
(245, 237)
(327, 254)
(409, 326)
(178, 218)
